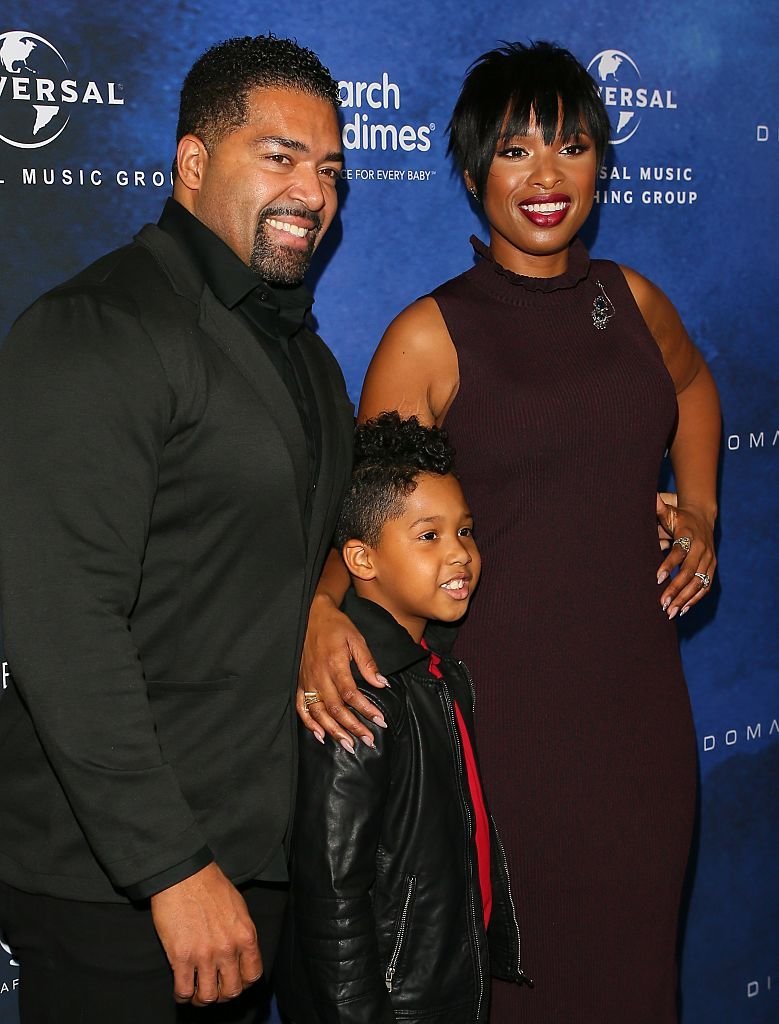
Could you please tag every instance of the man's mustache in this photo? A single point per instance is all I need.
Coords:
(311, 216)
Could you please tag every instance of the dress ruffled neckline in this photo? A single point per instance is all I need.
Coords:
(578, 268)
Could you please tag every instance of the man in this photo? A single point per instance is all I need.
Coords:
(176, 441)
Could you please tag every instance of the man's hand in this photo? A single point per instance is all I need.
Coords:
(208, 936)
(332, 642)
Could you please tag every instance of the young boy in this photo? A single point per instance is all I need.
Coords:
(400, 893)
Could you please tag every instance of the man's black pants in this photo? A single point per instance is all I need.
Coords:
(102, 963)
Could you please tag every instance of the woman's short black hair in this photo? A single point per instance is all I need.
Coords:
(389, 454)
(505, 86)
(215, 91)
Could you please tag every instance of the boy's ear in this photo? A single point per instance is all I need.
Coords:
(358, 557)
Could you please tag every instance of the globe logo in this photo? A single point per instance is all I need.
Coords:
(32, 72)
(619, 80)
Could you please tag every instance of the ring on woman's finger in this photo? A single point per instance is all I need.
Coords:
(704, 578)
(310, 697)
(685, 543)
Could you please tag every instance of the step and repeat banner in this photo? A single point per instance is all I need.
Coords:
(88, 105)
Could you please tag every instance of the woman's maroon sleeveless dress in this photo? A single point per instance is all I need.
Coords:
(585, 734)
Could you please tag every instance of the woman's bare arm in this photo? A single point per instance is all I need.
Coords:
(694, 450)
(414, 370)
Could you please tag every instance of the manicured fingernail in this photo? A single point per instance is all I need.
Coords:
(320, 736)
(684, 610)
(662, 577)
(673, 612)
(378, 720)
(383, 680)
(347, 745)
(666, 603)
(368, 741)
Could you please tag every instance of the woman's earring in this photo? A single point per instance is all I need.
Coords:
(474, 193)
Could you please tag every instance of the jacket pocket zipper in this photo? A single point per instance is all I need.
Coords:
(455, 735)
(400, 934)
(521, 976)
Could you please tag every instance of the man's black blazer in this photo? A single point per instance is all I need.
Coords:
(155, 577)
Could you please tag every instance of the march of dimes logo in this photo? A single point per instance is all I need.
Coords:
(372, 128)
(38, 91)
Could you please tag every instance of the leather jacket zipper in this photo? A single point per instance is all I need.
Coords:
(520, 973)
(521, 976)
(469, 677)
(400, 934)
(469, 821)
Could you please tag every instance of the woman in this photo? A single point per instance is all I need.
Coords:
(561, 382)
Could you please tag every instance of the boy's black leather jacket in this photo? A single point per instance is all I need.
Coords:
(386, 916)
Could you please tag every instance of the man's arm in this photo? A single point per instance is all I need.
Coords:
(84, 411)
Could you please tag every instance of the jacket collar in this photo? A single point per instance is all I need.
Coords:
(233, 335)
(391, 645)
(227, 276)
(280, 310)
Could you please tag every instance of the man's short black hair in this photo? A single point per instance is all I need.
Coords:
(389, 454)
(214, 93)
(501, 90)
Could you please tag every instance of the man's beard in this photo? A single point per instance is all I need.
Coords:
(277, 263)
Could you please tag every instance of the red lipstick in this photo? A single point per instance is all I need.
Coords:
(546, 211)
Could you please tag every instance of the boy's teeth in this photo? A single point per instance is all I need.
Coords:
(292, 229)
(454, 585)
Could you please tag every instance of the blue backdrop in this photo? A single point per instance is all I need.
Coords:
(690, 200)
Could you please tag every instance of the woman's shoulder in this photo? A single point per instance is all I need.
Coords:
(664, 324)
(656, 308)
(421, 322)
(414, 368)
(646, 294)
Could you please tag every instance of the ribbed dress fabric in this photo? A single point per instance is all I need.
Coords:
(583, 719)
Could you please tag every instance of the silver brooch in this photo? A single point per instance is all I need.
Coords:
(602, 308)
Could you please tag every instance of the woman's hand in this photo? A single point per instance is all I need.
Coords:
(692, 551)
(664, 498)
(326, 687)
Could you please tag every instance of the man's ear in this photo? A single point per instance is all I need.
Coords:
(358, 557)
(191, 161)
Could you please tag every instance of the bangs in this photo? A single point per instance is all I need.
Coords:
(544, 111)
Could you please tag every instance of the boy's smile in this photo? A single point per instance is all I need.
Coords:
(426, 563)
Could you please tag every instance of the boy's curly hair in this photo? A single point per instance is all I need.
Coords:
(389, 454)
